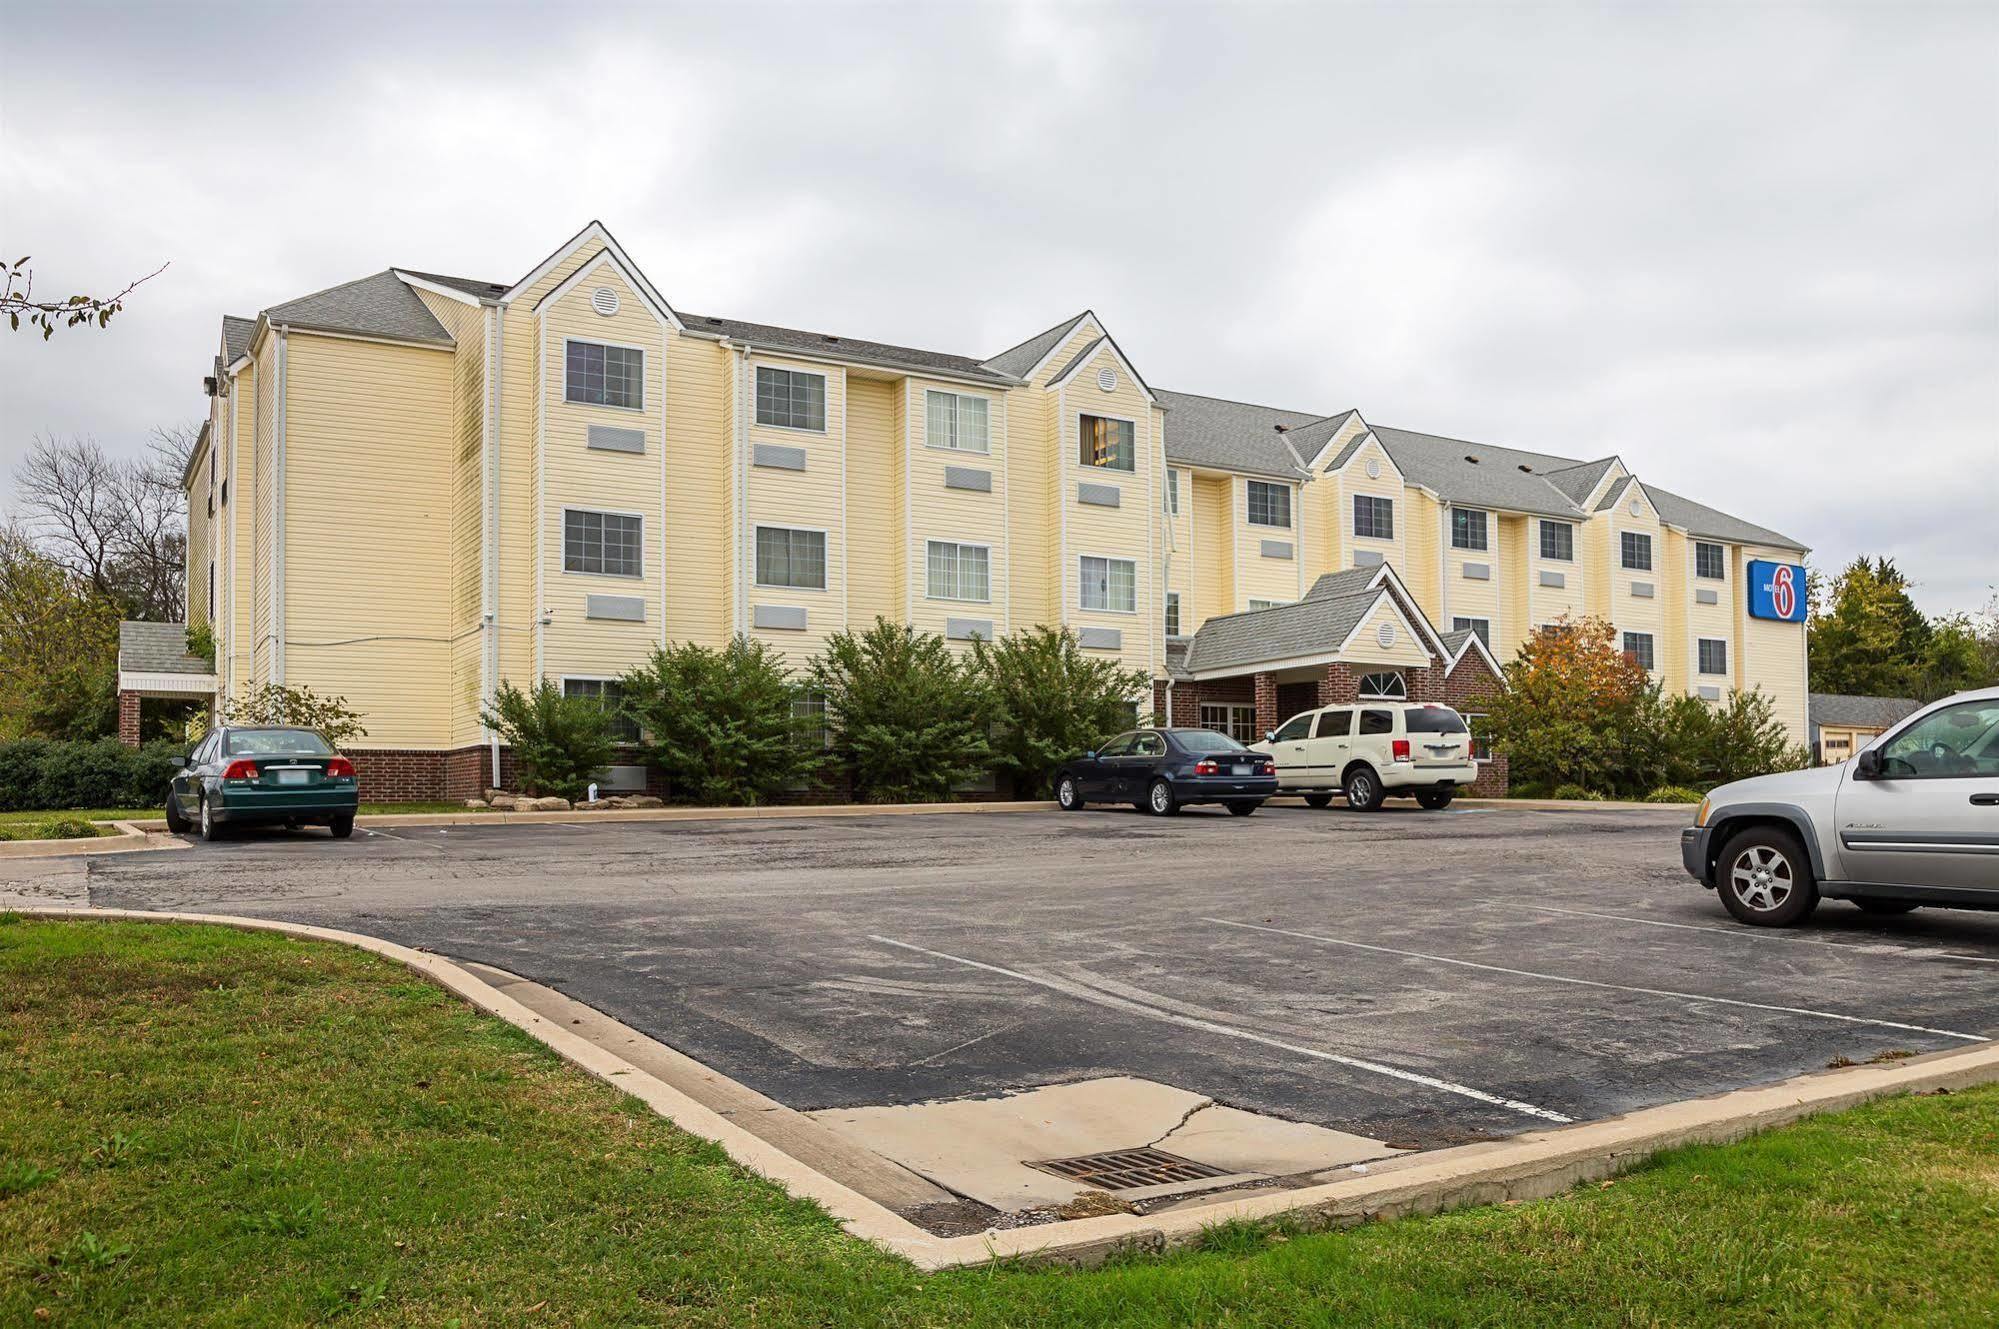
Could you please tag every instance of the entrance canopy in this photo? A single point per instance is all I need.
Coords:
(153, 661)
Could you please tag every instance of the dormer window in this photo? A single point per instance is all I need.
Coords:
(1106, 444)
(1269, 504)
(599, 375)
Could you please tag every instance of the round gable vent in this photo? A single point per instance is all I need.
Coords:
(1374, 468)
(1385, 634)
(1107, 379)
(1637, 508)
(604, 300)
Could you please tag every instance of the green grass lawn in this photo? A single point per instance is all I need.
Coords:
(13, 819)
(200, 1126)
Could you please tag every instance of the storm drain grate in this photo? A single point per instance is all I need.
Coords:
(1128, 1169)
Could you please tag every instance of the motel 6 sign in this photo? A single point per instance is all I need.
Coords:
(1777, 590)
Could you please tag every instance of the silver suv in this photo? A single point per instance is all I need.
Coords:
(1911, 820)
(1372, 751)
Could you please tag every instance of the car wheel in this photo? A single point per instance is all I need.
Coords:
(176, 821)
(211, 829)
(1159, 800)
(1434, 799)
(1364, 792)
(1318, 800)
(1887, 906)
(1765, 880)
(342, 827)
(1067, 796)
(1244, 809)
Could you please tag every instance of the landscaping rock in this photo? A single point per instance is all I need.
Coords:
(475, 803)
(644, 801)
(594, 805)
(503, 802)
(541, 805)
(493, 794)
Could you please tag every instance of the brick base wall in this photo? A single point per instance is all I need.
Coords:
(128, 719)
(1188, 696)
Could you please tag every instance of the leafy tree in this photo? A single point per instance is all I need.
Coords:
(17, 301)
(1868, 636)
(1962, 652)
(721, 725)
(1569, 693)
(1711, 744)
(274, 703)
(1049, 701)
(560, 742)
(58, 649)
(907, 719)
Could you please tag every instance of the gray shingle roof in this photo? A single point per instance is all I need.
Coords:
(379, 306)
(1312, 626)
(1863, 712)
(1306, 440)
(235, 338)
(484, 290)
(1015, 361)
(1455, 641)
(1231, 435)
(157, 648)
(1576, 482)
(1351, 581)
(1701, 520)
(1089, 349)
(846, 348)
(1496, 479)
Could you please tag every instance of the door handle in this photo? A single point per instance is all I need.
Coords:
(1986, 800)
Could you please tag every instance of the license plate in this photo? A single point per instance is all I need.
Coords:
(1243, 770)
(293, 775)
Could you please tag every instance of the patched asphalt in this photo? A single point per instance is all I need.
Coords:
(1416, 977)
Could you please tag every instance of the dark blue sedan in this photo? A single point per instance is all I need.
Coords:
(1162, 770)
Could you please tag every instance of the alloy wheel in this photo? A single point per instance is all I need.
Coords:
(1360, 791)
(1065, 793)
(207, 822)
(1162, 798)
(1762, 878)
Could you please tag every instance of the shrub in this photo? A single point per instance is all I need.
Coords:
(1673, 793)
(560, 742)
(722, 725)
(201, 643)
(1049, 702)
(1576, 793)
(273, 703)
(1569, 695)
(38, 774)
(907, 719)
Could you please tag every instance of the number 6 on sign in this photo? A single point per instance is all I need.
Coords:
(1776, 590)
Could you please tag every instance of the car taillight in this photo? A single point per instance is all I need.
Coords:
(339, 766)
(1399, 749)
(1206, 767)
(240, 770)
(1269, 768)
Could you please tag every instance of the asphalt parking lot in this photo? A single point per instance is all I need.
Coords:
(1424, 978)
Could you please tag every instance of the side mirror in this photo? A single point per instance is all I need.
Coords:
(1091, 755)
(1270, 735)
(1867, 766)
(179, 762)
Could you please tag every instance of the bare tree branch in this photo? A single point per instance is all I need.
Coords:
(45, 314)
(121, 527)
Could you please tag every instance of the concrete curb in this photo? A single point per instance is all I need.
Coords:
(1576, 804)
(1531, 1166)
(131, 837)
(773, 813)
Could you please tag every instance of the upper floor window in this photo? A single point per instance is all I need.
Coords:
(1467, 528)
(1478, 627)
(955, 420)
(1269, 504)
(793, 558)
(959, 572)
(1710, 560)
(600, 375)
(608, 544)
(1373, 517)
(791, 399)
(1173, 493)
(1638, 649)
(1267, 604)
(609, 694)
(1713, 655)
(1636, 548)
(1172, 613)
(1107, 443)
(1110, 584)
(1558, 541)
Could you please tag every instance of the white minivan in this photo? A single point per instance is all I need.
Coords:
(1372, 751)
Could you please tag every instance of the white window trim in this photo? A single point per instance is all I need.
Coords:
(986, 451)
(1622, 633)
(1716, 641)
(1290, 504)
(1705, 576)
(1171, 605)
(1258, 602)
(562, 682)
(928, 594)
(1172, 491)
(1353, 526)
(1471, 731)
(1469, 619)
(825, 399)
(826, 563)
(1111, 558)
(1483, 548)
(562, 543)
(1652, 551)
(1540, 549)
(645, 368)
(1075, 461)
(1232, 708)
(1384, 696)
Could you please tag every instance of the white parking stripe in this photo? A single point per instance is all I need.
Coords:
(1745, 934)
(1593, 983)
(1229, 1031)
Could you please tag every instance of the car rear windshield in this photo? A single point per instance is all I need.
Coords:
(1434, 720)
(1207, 740)
(268, 742)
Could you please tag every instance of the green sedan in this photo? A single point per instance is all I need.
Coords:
(243, 774)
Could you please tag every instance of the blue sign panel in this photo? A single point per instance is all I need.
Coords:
(1777, 590)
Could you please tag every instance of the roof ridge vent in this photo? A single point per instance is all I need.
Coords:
(1525, 469)
(1473, 460)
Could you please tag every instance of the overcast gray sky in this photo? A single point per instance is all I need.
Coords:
(1752, 250)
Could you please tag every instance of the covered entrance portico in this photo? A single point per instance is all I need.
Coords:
(153, 661)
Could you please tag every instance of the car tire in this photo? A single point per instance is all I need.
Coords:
(1159, 800)
(1434, 800)
(1318, 800)
(211, 829)
(1887, 907)
(176, 822)
(1363, 788)
(1764, 878)
(1068, 796)
(342, 827)
(1243, 808)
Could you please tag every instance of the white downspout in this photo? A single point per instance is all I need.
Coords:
(742, 485)
(278, 521)
(489, 524)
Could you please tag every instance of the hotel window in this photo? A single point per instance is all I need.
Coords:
(1269, 505)
(791, 558)
(1386, 686)
(1713, 655)
(808, 707)
(599, 375)
(1172, 613)
(1637, 550)
(1558, 541)
(1234, 719)
(1107, 443)
(605, 544)
(1173, 493)
(1467, 528)
(1110, 584)
(959, 572)
(1478, 627)
(1710, 561)
(791, 399)
(1267, 604)
(1638, 649)
(610, 696)
(955, 420)
(1373, 518)
(1481, 750)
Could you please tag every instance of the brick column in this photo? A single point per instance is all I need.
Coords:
(128, 719)
(1159, 707)
(1424, 684)
(1266, 704)
(1340, 686)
